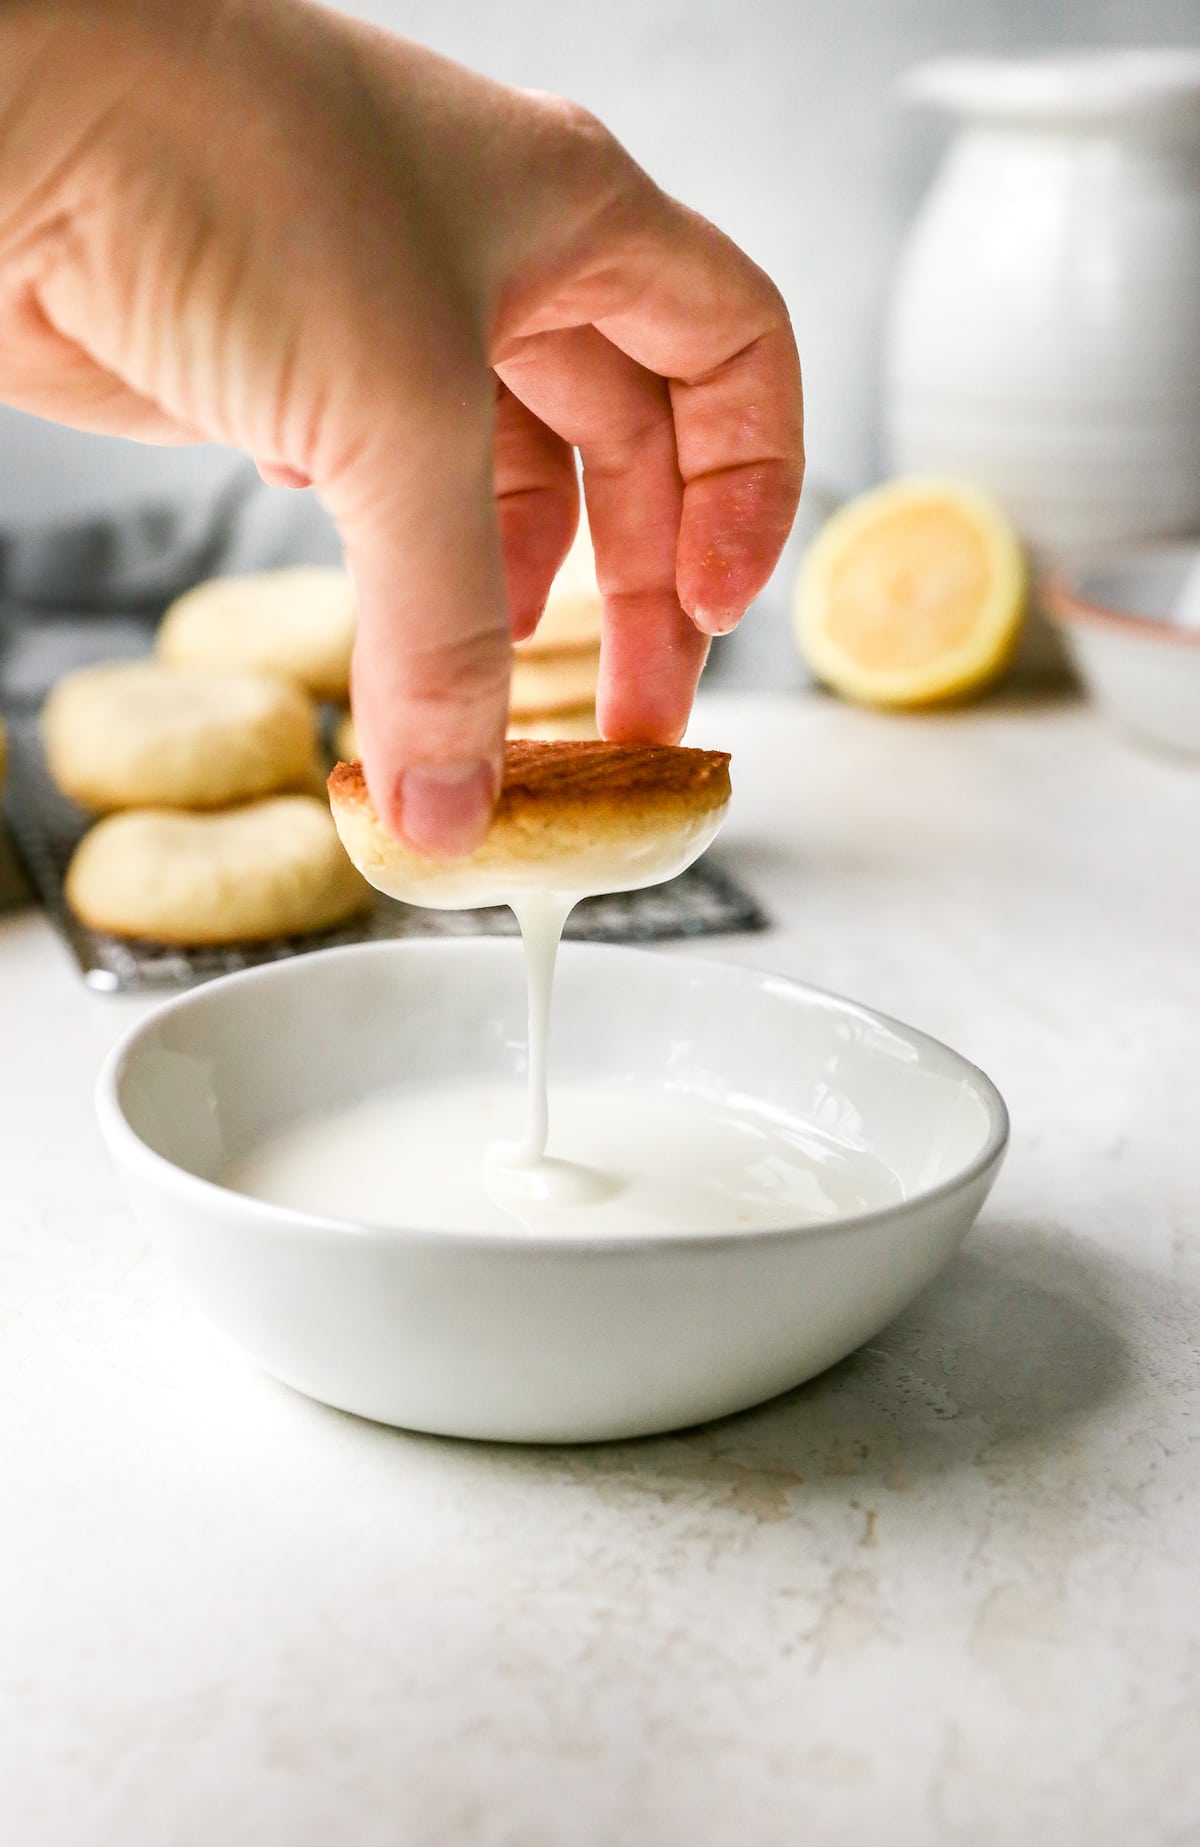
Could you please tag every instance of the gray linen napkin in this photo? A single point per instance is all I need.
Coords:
(74, 592)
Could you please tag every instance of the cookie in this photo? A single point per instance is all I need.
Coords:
(297, 622)
(143, 735)
(582, 817)
(553, 683)
(556, 725)
(571, 618)
(271, 868)
(581, 724)
(345, 738)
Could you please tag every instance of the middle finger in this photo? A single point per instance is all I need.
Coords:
(619, 417)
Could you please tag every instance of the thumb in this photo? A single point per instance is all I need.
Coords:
(417, 515)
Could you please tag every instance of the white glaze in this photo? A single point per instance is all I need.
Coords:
(630, 1161)
(542, 894)
(587, 868)
(542, 917)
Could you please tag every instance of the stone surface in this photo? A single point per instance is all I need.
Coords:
(945, 1593)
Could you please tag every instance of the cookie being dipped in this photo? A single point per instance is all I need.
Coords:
(573, 817)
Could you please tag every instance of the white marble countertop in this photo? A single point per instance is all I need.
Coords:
(946, 1593)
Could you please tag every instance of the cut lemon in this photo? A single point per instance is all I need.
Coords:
(911, 593)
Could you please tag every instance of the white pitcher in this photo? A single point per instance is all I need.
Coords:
(1044, 334)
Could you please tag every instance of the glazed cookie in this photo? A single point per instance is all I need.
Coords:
(583, 817)
(271, 868)
(298, 622)
(142, 735)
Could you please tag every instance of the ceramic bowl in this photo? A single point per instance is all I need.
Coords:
(1132, 623)
(542, 1339)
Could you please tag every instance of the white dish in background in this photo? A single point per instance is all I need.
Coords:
(1131, 620)
(1042, 338)
(516, 1336)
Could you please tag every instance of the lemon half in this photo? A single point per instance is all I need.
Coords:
(911, 593)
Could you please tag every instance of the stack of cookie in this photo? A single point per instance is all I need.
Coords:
(206, 767)
(556, 671)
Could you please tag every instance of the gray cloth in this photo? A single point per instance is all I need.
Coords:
(76, 592)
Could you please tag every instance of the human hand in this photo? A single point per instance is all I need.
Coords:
(256, 222)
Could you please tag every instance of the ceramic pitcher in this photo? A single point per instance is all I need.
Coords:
(1044, 333)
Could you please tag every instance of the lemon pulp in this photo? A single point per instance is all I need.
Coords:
(911, 593)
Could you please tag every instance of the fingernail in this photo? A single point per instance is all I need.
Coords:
(716, 621)
(523, 629)
(280, 474)
(445, 808)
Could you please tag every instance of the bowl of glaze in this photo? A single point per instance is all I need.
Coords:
(1131, 621)
(553, 1335)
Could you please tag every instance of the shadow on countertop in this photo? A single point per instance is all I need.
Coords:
(995, 1369)
(1016, 1344)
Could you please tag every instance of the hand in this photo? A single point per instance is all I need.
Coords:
(257, 222)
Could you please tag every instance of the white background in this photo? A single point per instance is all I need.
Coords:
(774, 117)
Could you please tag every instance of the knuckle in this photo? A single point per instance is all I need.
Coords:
(580, 146)
(576, 125)
(449, 674)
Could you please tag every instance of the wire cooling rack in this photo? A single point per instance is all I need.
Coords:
(46, 828)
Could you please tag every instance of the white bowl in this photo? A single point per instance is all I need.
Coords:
(517, 1337)
(1131, 620)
